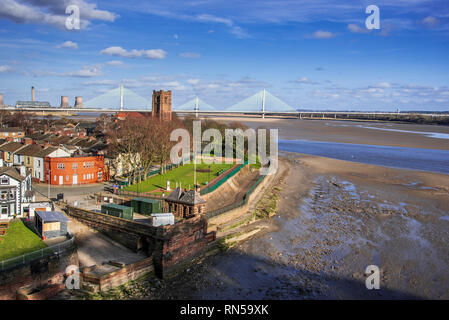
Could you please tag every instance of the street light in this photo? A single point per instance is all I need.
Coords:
(49, 181)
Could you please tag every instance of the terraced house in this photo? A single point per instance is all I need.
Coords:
(8, 150)
(15, 133)
(15, 191)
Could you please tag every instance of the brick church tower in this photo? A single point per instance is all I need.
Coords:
(162, 104)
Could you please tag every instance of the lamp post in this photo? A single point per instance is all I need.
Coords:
(49, 181)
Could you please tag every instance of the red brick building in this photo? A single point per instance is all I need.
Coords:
(75, 170)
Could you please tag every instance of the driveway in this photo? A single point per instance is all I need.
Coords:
(70, 192)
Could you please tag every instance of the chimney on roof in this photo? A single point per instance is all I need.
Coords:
(28, 141)
(32, 93)
(64, 102)
(23, 171)
(78, 102)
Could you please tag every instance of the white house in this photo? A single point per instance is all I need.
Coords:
(39, 164)
(15, 190)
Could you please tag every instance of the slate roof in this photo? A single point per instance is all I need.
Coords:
(11, 146)
(191, 197)
(12, 172)
(11, 129)
(52, 216)
(30, 150)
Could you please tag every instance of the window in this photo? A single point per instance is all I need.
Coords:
(61, 165)
(66, 178)
(84, 177)
(12, 195)
(28, 160)
(100, 175)
(4, 210)
(38, 163)
(5, 180)
(55, 178)
(84, 165)
(75, 165)
(4, 195)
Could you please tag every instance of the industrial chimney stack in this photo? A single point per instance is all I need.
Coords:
(1, 100)
(32, 93)
(78, 102)
(64, 102)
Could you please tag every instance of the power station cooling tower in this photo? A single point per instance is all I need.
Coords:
(78, 102)
(64, 102)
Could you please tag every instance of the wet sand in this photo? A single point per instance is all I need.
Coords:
(351, 131)
(336, 218)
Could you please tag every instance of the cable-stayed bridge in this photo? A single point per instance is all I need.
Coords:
(262, 103)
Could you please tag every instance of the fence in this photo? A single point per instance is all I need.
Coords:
(151, 173)
(36, 255)
(126, 193)
(215, 186)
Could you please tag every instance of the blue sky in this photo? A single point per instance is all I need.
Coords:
(312, 54)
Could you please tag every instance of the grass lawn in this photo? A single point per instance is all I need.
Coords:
(183, 175)
(19, 240)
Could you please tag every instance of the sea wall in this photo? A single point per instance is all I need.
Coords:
(47, 273)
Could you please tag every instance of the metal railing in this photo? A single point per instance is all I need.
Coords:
(36, 255)
(215, 186)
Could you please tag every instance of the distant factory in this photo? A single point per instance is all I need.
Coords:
(44, 104)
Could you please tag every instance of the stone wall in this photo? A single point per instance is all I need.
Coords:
(48, 272)
(93, 280)
(168, 245)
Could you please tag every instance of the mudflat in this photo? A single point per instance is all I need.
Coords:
(335, 218)
(360, 132)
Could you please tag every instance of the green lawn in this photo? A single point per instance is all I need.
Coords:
(183, 175)
(19, 240)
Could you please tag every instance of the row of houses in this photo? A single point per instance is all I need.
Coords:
(57, 165)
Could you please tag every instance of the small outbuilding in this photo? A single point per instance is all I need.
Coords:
(118, 210)
(51, 224)
(146, 206)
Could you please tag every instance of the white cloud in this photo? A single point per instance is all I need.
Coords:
(357, 29)
(120, 52)
(114, 63)
(4, 69)
(50, 12)
(68, 45)
(212, 18)
(193, 82)
(321, 34)
(85, 72)
(430, 21)
(190, 55)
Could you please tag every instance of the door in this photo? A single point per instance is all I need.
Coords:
(75, 179)
(61, 180)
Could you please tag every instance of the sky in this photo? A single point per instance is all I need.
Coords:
(312, 54)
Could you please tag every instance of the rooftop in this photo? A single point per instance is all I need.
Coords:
(52, 216)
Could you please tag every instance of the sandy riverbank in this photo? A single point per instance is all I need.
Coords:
(334, 219)
(352, 131)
